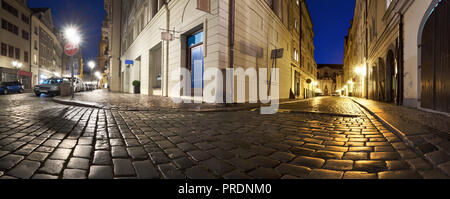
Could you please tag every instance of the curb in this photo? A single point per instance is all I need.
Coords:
(400, 134)
(77, 103)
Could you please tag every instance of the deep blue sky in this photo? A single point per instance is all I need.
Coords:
(86, 14)
(331, 20)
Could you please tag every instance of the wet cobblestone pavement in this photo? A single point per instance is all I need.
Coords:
(41, 139)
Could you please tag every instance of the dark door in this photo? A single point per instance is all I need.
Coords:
(435, 66)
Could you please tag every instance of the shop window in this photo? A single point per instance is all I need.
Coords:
(17, 53)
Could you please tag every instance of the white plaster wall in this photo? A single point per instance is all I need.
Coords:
(413, 17)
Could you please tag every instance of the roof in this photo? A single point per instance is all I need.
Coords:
(333, 66)
(35, 10)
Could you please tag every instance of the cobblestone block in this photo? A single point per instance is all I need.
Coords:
(242, 164)
(145, 170)
(119, 152)
(293, 170)
(406, 174)
(356, 156)
(100, 172)
(301, 151)
(359, 175)
(198, 172)
(186, 146)
(8, 161)
(74, 174)
(61, 154)
(309, 162)
(340, 165)
(328, 154)
(244, 153)
(123, 167)
(282, 156)
(237, 175)
(68, 144)
(384, 149)
(437, 157)
(370, 166)
(218, 167)
(53, 167)
(102, 158)
(264, 161)
(24, 169)
(51, 143)
(433, 174)
(221, 154)
(325, 174)
(384, 156)
(408, 154)
(264, 173)
(199, 155)
(158, 158)
(82, 151)
(137, 153)
(169, 171)
(44, 177)
(419, 164)
(78, 163)
(85, 141)
(183, 163)
(445, 167)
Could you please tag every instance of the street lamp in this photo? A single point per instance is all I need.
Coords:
(73, 38)
(91, 65)
(99, 77)
(17, 65)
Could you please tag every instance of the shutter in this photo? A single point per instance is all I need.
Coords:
(204, 5)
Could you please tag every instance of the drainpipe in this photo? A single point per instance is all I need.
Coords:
(231, 28)
(400, 63)
(167, 51)
(366, 84)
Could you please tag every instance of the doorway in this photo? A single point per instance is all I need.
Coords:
(435, 66)
(391, 80)
(195, 62)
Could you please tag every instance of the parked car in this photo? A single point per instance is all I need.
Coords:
(11, 87)
(49, 86)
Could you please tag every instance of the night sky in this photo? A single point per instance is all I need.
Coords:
(331, 20)
(86, 14)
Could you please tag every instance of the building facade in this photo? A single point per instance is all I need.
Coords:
(406, 48)
(15, 42)
(329, 79)
(156, 39)
(47, 51)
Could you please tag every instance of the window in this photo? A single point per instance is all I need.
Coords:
(11, 51)
(25, 19)
(4, 24)
(10, 9)
(4, 50)
(35, 45)
(25, 35)
(17, 53)
(36, 32)
(25, 56)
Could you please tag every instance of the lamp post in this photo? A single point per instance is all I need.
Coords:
(99, 77)
(91, 65)
(73, 39)
(17, 65)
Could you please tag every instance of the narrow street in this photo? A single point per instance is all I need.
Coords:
(326, 137)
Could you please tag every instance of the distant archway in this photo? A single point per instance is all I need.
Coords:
(391, 81)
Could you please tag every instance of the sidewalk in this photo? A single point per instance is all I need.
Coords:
(428, 133)
(132, 102)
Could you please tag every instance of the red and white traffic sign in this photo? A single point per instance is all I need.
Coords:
(71, 49)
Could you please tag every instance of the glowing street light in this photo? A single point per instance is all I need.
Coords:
(72, 35)
(361, 71)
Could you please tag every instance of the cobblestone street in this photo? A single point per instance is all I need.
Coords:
(321, 138)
